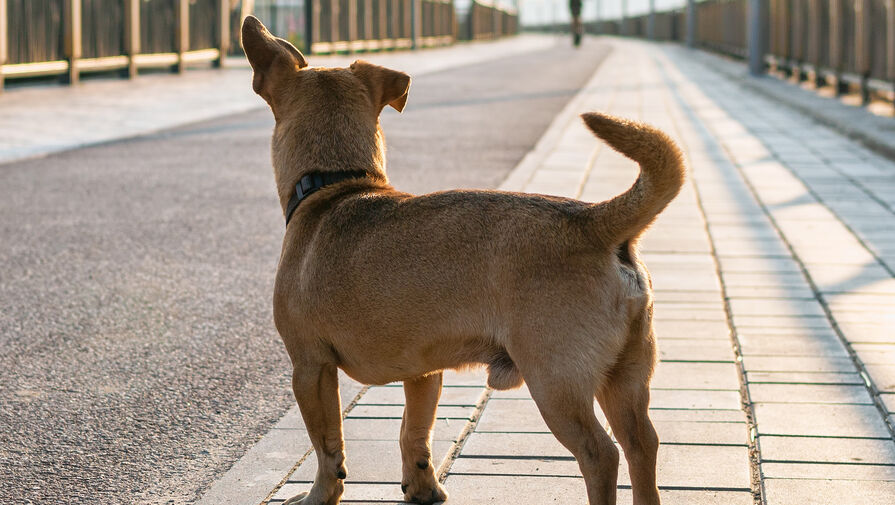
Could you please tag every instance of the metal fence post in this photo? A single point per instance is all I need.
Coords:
(223, 31)
(72, 21)
(4, 40)
(691, 23)
(182, 33)
(756, 46)
(132, 35)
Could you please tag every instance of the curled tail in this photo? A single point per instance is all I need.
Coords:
(662, 172)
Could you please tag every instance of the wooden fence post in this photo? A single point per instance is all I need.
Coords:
(383, 20)
(72, 20)
(352, 23)
(223, 31)
(335, 32)
(416, 25)
(368, 21)
(132, 35)
(182, 32)
(4, 40)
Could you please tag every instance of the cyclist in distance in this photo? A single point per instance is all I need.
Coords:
(575, 8)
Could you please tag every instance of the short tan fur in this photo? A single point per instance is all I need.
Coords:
(389, 286)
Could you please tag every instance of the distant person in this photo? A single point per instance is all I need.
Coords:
(575, 8)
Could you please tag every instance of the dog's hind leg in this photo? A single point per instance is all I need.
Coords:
(624, 398)
(419, 483)
(316, 388)
(567, 405)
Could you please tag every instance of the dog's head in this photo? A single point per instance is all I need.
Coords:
(326, 118)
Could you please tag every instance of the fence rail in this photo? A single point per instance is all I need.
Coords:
(485, 21)
(73, 37)
(848, 43)
(370, 25)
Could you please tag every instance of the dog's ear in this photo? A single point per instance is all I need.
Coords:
(386, 86)
(268, 55)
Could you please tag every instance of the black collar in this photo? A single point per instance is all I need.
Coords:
(313, 182)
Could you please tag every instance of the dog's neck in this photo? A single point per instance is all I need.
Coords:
(295, 156)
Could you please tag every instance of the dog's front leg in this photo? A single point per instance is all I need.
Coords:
(419, 483)
(316, 388)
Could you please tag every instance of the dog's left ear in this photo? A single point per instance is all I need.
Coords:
(269, 56)
(386, 86)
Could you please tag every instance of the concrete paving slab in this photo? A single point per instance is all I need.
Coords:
(827, 471)
(860, 451)
(570, 491)
(692, 329)
(450, 396)
(798, 364)
(388, 429)
(684, 349)
(711, 467)
(845, 378)
(693, 432)
(798, 322)
(809, 393)
(694, 399)
(512, 415)
(889, 401)
(698, 415)
(875, 354)
(355, 493)
(677, 375)
(397, 411)
(799, 343)
(824, 492)
(532, 445)
(883, 377)
(828, 420)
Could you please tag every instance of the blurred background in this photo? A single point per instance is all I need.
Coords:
(846, 44)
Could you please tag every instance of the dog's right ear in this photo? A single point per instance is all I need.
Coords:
(268, 55)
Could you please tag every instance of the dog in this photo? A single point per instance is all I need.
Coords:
(388, 286)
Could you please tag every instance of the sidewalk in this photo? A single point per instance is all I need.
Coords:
(43, 119)
(773, 274)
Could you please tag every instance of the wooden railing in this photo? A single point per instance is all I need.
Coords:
(73, 37)
(370, 25)
(847, 43)
(486, 20)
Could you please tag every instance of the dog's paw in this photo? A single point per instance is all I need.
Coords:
(425, 496)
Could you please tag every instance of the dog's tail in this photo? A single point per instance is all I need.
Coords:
(662, 173)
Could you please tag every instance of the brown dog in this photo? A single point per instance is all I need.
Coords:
(389, 286)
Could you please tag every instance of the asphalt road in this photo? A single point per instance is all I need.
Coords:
(138, 356)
